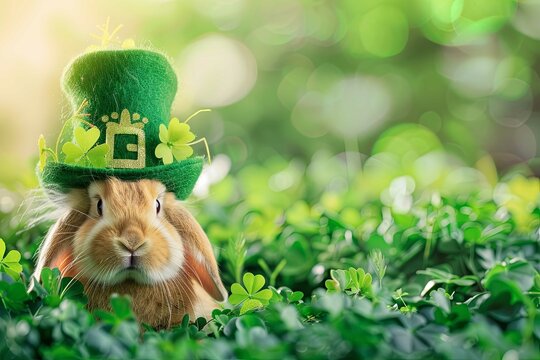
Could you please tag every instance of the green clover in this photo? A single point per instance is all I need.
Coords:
(353, 282)
(249, 295)
(175, 142)
(360, 282)
(338, 282)
(83, 152)
(10, 264)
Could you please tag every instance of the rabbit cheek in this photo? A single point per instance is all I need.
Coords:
(64, 262)
(167, 254)
(80, 245)
(159, 255)
(102, 250)
(93, 246)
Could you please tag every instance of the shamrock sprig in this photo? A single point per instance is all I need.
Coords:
(250, 295)
(177, 139)
(83, 152)
(10, 263)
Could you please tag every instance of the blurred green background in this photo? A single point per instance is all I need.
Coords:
(440, 94)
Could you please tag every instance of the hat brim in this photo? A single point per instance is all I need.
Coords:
(179, 177)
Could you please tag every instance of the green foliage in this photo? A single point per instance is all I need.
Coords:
(235, 256)
(53, 288)
(415, 284)
(379, 265)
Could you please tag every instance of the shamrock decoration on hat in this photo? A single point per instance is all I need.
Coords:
(120, 128)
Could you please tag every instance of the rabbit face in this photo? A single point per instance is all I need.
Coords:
(126, 235)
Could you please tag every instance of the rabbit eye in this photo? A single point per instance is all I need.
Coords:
(158, 206)
(99, 207)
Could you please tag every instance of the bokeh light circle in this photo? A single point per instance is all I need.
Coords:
(384, 31)
(357, 105)
(471, 76)
(513, 77)
(216, 71)
(510, 112)
(308, 117)
(460, 21)
(526, 19)
(351, 107)
(408, 141)
(525, 142)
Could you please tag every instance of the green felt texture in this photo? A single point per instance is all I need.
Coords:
(138, 80)
(178, 177)
(144, 83)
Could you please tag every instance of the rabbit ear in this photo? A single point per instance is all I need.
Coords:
(201, 263)
(55, 248)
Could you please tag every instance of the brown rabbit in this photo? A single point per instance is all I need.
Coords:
(136, 239)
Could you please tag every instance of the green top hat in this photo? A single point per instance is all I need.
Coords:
(127, 96)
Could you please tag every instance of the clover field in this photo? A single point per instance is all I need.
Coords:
(315, 274)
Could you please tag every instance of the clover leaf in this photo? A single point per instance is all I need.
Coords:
(338, 282)
(10, 263)
(52, 287)
(13, 295)
(353, 282)
(175, 142)
(250, 295)
(83, 152)
(360, 283)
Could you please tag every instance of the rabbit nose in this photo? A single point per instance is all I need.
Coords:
(132, 239)
(131, 260)
(130, 246)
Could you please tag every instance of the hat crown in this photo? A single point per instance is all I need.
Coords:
(129, 94)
